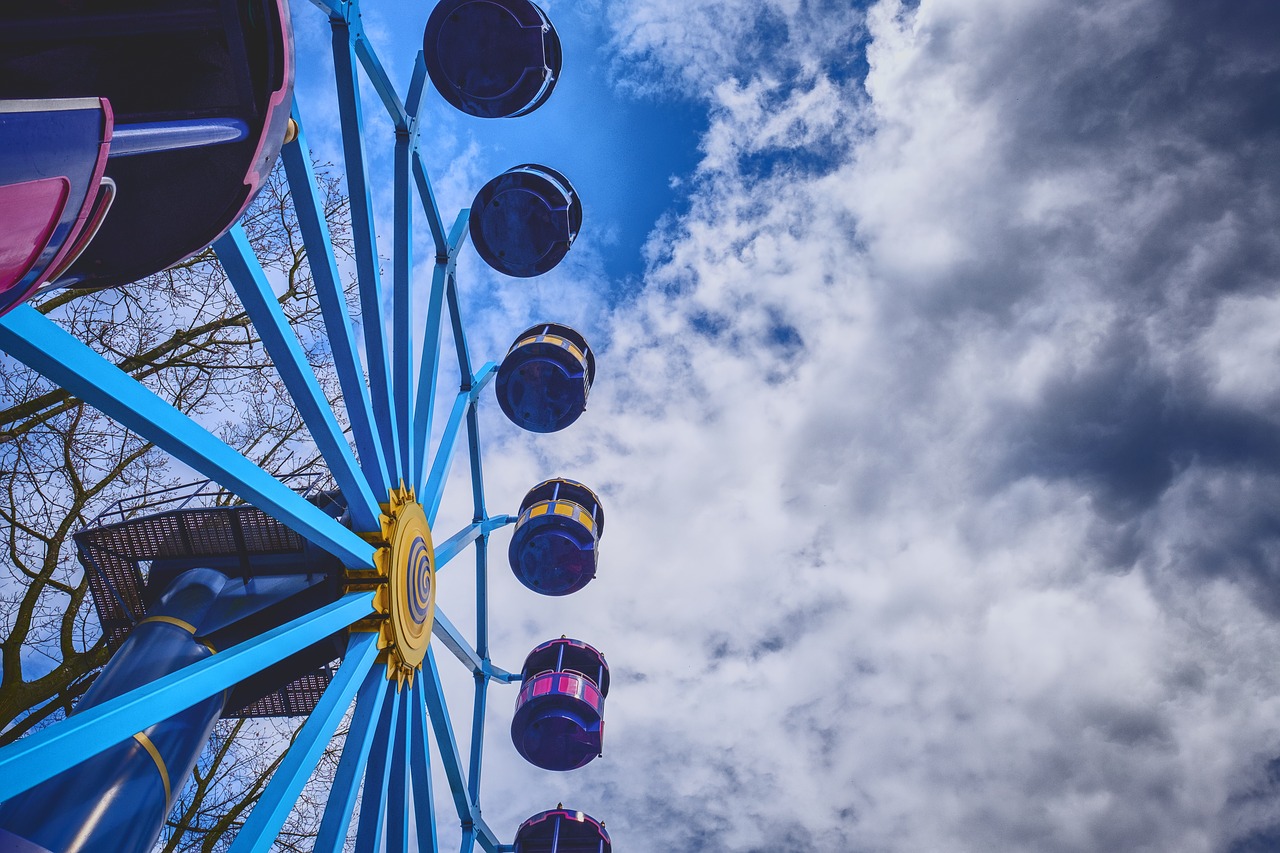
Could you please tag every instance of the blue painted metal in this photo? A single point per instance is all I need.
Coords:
(332, 836)
(446, 632)
(250, 282)
(398, 781)
(424, 410)
(438, 713)
(50, 751)
(459, 333)
(479, 704)
(366, 241)
(429, 205)
(402, 315)
(118, 799)
(372, 816)
(433, 491)
(424, 807)
(455, 544)
(45, 347)
(524, 221)
(333, 306)
(268, 816)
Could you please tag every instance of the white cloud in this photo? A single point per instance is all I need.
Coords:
(914, 483)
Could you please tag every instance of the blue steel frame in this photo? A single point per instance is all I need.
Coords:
(391, 423)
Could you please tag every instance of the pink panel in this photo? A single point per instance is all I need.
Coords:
(591, 695)
(543, 685)
(29, 212)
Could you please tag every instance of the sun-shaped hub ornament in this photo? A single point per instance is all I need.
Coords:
(405, 584)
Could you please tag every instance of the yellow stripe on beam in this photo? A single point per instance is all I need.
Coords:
(160, 765)
(171, 620)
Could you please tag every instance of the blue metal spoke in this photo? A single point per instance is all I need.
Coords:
(429, 205)
(432, 492)
(50, 751)
(45, 347)
(424, 807)
(459, 334)
(250, 282)
(454, 545)
(366, 241)
(429, 377)
(332, 836)
(402, 315)
(377, 74)
(264, 822)
(398, 787)
(438, 712)
(428, 381)
(369, 831)
(446, 632)
(333, 306)
(478, 707)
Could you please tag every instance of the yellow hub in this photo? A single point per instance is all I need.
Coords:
(405, 584)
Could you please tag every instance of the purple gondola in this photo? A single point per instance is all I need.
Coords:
(492, 58)
(562, 830)
(53, 192)
(555, 547)
(545, 379)
(559, 719)
(199, 95)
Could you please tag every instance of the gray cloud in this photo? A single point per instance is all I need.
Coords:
(936, 359)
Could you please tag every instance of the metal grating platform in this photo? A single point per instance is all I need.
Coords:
(193, 521)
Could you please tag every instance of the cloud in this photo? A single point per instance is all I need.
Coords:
(938, 448)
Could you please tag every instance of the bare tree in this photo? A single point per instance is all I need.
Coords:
(185, 335)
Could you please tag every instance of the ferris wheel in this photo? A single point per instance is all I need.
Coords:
(132, 139)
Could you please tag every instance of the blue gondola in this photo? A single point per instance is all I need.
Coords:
(524, 221)
(53, 192)
(492, 58)
(559, 719)
(198, 92)
(555, 547)
(562, 830)
(545, 379)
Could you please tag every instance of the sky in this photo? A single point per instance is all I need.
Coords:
(935, 422)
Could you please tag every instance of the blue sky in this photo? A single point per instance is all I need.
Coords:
(935, 419)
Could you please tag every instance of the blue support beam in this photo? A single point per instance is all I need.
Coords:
(478, 707)
(50, 751)
(398, 781)
(438, 712)
(432, 491)
(446, 632)
(424, 806)
(332, 837)
(45, 347)
(402, 314)
(429, 205)
(259, 832)
(429, 377)
(333, 307)
(250, 282)
(366, 240)
(428, 381)
(377, 774)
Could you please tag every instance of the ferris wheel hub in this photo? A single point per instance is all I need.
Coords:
(405, 585)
